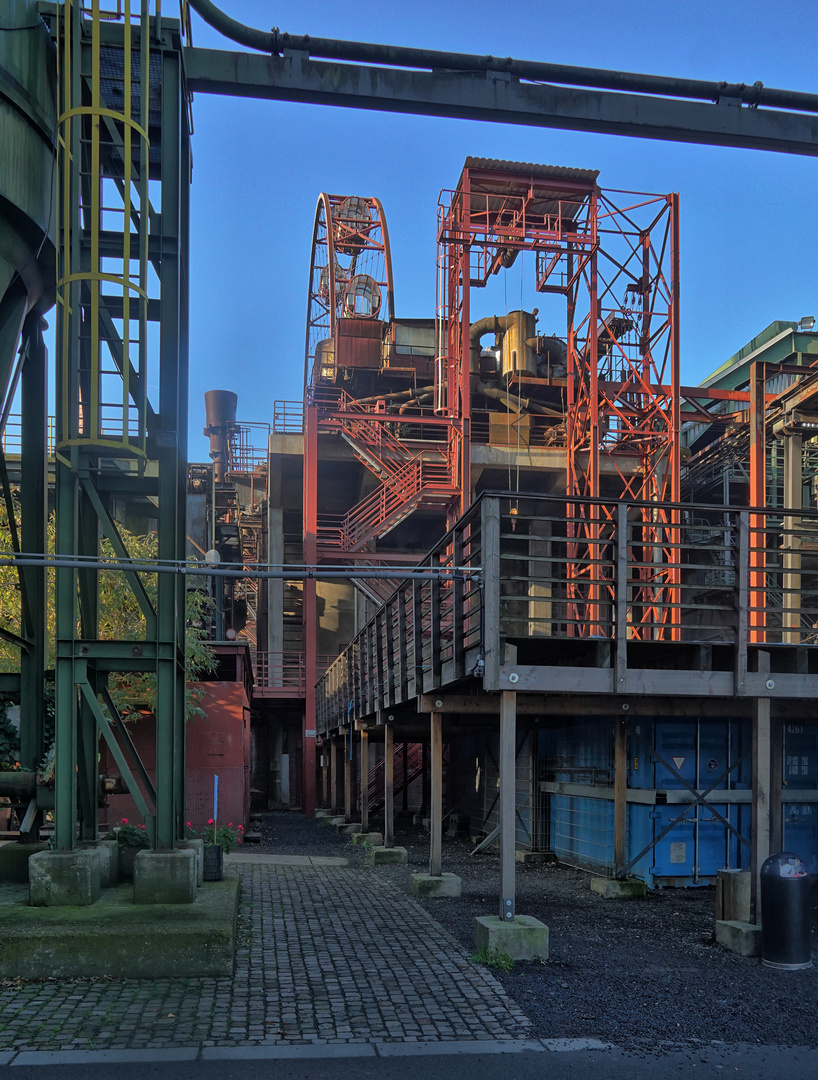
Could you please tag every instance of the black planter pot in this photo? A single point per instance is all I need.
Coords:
(213, 862)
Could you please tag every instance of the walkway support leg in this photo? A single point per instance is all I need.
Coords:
(762, 785)
(620, 796)
(337, 787)
(508, 746)
(364, 781)
(388, 786)
(436, 791)
(347, 777)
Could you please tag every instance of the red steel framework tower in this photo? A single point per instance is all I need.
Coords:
(350, 310)
(607, 253)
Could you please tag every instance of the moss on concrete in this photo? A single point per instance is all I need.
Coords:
(116, 937)
(612, 889)
(14, 861)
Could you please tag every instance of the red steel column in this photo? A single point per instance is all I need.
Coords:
(757, 616)
(309, 613)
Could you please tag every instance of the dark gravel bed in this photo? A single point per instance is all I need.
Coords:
(641, 973)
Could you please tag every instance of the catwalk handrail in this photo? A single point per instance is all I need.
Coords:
(593, 580)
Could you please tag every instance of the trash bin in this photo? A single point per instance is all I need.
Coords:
(786, 913)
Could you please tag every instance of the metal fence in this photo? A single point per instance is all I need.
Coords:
(543, 572)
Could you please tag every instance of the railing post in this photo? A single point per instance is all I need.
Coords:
(434, 623)
(417, 635)
(458, 614)
(490, 628)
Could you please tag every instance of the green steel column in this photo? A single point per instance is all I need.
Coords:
(171, 452)
(65, 715)
(33, 537)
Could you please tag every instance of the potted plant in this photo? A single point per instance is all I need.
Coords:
(219, 841)
(131, 839)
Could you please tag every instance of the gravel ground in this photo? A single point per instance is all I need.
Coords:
(641, 973)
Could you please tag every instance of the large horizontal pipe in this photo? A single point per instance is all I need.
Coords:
(17, 783)
(275, 42)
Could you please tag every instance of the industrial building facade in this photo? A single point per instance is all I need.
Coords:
(500, 565)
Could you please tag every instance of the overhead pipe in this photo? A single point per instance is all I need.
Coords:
(396, 395)
(275, 42)
(515, 403)
(427, 395)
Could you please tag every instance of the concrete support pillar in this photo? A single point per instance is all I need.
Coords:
(436, 791)
(388, 786)
(762, 786)
(508, 769)
(620, 795)
(347, 777)
(364, 782)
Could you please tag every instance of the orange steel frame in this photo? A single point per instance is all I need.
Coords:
(623, 394)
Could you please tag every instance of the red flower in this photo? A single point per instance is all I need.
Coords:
(124, 821)
(210, 821)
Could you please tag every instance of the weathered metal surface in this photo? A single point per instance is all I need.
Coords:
(494, 97)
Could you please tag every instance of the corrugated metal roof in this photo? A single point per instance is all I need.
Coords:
(534, 170)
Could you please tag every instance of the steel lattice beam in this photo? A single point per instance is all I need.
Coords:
(499, 98)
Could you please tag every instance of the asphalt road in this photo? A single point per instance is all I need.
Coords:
(738, 1061)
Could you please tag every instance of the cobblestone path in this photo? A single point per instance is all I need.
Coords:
(326, 954)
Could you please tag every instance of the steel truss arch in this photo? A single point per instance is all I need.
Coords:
(350, 275)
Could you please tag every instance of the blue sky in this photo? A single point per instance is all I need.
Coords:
(749, 230)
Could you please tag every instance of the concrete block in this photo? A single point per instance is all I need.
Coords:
(524, 938)
(611, 889)
(739, 937)
(14, 861)
(733, 895)
(165, 877)
(195, 844)
(115, 937)
(423, 885)
(385, 856)
(535, 857)
(64, 879)
(350, 828)
(373, 838)
(334, 822)
(320, 814)
(109, 861)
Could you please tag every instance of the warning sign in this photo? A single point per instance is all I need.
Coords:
(678, 762)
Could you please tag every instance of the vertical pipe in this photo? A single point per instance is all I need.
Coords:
(389, 786)
(436, 809)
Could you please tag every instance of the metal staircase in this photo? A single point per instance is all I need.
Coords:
(410, 479)
(413, 752)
